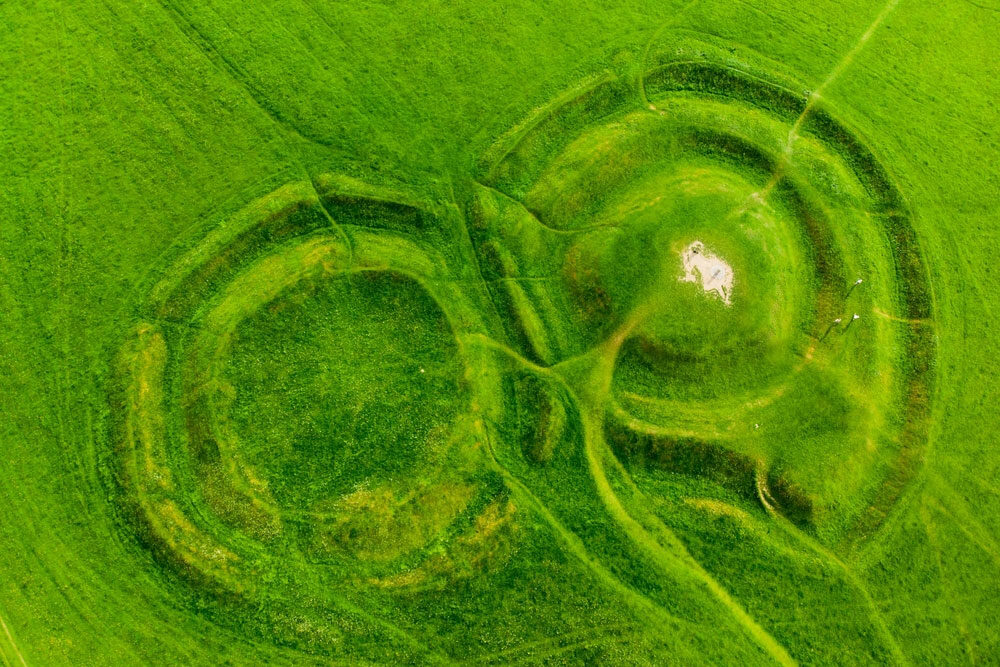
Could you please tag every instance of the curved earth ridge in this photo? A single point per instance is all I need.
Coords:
(182, 472)
(738, 123)
(562, 340)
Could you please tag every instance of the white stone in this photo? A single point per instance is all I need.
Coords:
(712, 272)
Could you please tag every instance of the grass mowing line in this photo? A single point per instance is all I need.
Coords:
(983, 540)
(983, 484)
(947, 592)
(351, 49)
(987, 8)
(394, 629)
(228, 69)
(12, 644)
(60, 578)
(63, 411)
(390, 627)
(831, 558)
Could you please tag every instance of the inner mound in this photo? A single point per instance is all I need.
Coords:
(341, 383)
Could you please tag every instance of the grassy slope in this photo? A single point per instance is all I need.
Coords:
(125, 125)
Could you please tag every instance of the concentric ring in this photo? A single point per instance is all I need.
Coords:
(255, 492)
(330, 399)
(585, 213)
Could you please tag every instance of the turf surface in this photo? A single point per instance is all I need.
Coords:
(361, 333)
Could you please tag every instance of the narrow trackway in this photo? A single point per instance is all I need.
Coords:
(832, 559)
(589, 378)
(760, 197)
(11, 643)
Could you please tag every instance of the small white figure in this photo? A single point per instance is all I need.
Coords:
(712, 272)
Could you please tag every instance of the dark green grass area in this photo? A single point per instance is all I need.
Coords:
(314, 402)
(368, 333)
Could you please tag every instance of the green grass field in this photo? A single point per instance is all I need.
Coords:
(499, 333)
